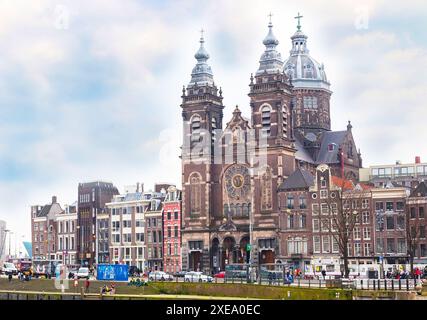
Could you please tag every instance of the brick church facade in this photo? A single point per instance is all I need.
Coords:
(231, 173)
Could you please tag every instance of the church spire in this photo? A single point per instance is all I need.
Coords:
(299, 39)
(202, 72)
(271, 60)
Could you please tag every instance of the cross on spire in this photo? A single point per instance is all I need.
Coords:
(201, 33)
(270, 15)
(299, 16)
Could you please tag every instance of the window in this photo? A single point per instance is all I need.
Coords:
(423, 250)
(316, 244)
(303, 221)
(195, 195)
(391, 245)
(309, 102)
(389, 206)
(390, 223)
(195, 129)
(400, 205)
(116, 238)
(421, 212)
(334, 208)
(323, 194)
(290, 203)
(127, 237)
(356, 233)
(366, 233)
(412, 213)
(324, 208)
(335, 245)
(175, 215)
(169, 232)
(366, 249)
(422, 232)
(401, 245)
(302, 203)
(380, 245)
(297, 246)
(290, 221)
(325, 225)
(266, 120)
(379, 206)
(323, 183)
(357, 250)
(169, 215)
(326, 244)
(175, 228)
(365, 217)
(316, 226)
(127, 223)
(400, 222)
(175, 249)
(365, 203)
(315, 209)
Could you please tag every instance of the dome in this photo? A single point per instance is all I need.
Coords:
(304, 70)
(202, 72)
(271, 60)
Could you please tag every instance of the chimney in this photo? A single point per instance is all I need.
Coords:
(53, 199)
(137, 187)
(417, 160)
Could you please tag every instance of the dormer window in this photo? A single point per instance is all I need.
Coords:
(332, 147)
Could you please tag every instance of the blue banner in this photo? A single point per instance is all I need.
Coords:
(110, 272)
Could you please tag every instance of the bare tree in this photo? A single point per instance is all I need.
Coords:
(412, 233)
(344, 204)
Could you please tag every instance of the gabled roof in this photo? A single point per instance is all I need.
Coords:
(299, 179)
(420, 190)
(44, 211)
(330, 137)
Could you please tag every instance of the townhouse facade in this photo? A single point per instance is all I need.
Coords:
(172, 231)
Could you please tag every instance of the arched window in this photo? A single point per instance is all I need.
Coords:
(285, 121)
(232, 210)
(266, 119)
(245, 210)
(195, 128)
(266, 189)
(195, 194)
(226, 210)
(238, 210)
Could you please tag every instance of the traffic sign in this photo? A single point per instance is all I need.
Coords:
(248, 247)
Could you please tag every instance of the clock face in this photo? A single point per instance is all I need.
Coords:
(237, 181)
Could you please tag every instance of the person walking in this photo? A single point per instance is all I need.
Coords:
(10, 277)
(87, 284)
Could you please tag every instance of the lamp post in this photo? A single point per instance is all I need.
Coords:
(81, 245)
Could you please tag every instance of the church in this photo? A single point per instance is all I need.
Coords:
(231, 173)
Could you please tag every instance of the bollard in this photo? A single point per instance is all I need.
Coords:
(385, 284)
(361, 283)
(374, 283)
(400, 284)
(320, 283)
(309, 283)
(392, 284)
(379, 284)
(407, 284)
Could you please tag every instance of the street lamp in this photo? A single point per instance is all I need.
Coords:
(81, 244)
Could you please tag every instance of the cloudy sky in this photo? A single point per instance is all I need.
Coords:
(91, 89)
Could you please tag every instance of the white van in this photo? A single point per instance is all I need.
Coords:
(9, 268)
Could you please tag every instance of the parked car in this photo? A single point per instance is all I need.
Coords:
(83, 273)
(9, 268)
(180, 274)
(160, 276)
(134, 271)
(194, 276)
(220, 275)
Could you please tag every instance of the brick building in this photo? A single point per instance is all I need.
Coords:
(172, 230)
(92, 198)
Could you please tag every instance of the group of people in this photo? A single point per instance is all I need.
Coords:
(402, 274)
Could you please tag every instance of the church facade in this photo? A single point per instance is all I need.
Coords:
(231, 172)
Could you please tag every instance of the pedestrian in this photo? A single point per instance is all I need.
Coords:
(324, 274)
(10, 277)
(87, 284)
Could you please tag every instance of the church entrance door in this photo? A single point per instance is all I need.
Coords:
(195, 261)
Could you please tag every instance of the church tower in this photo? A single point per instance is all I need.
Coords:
(270, 100)
(310, 105)
(202, 113)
